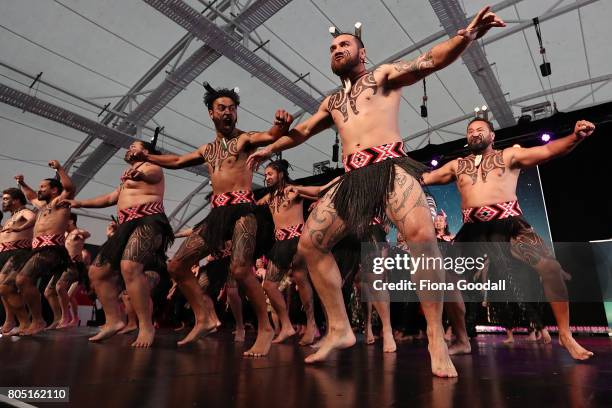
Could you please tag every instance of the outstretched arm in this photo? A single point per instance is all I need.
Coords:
(318, 122)
(529, 157)
(282, 122)
(173, 161)
(403, 73)
(102, 201)
(443, 175)
(313, 192)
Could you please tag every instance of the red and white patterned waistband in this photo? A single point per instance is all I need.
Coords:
(373, 155)
(294, 231)
(139, 211)
(19, 244)
(48, 240)
(231, 198)
(491, 212)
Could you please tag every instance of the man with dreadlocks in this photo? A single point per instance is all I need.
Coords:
(139, 244)
(232, 216)
(287, 208)
(379, 180)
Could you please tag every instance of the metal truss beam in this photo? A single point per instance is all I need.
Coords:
(452, 18)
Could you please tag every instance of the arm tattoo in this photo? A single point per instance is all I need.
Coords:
(340, 101)
(419, 67)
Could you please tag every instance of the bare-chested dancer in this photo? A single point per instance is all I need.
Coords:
(487, 180)
(57, 290)
(287, 208)
(138, 244)
(49, 257)
(379, 179)
(15, 247)
(232, 216)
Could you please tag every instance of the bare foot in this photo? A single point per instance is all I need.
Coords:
(53, 325)
(310, 334)
(199, 330)
(460, 347)
(74, 323)
(532, 336)
(239, 335)
(63, 324)
(508, 340)
(23, 328)
(108, 330)
(284, 335)
(389, 345)
(8, 326)
(13, 332)
(35, 327)
(576, 350)
(545, 336)
(334, 340)
(145, 337)
(181, 327)
(317, 344)
(129, 328)
(262, 344)
(441, 364)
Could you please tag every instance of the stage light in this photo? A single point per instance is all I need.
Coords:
(476, 110)
(434, 163)
(484, 108)
(545, 137)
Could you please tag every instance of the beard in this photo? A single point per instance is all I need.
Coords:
(126, 157)
(480, 145)
(42, 197)
(345, 65)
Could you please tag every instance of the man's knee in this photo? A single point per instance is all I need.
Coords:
(6, 289)
(308, 249)
(62, 286)
(240, 270)
(23, 281)
(178, 270)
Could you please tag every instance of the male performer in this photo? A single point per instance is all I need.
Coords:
(142, 237)
(379, 179)
(15, 246)
(49, 257)
(287, 209)
(486, 180)
(56, 291)
(232, 216)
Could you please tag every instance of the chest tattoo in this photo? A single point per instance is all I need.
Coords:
(218, 152)
(488, 164)
(340, 101)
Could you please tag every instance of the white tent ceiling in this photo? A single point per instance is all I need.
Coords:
(98, 50)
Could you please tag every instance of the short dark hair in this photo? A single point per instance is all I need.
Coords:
(54, 183)
(73, 217)
(211, 97)
(359, 40)
(16, 194)
(481, 120)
